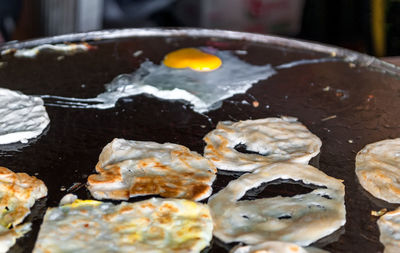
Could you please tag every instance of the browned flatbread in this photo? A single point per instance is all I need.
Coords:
(153, 225)
(378, 169)
(271, 140)
(308, 217)
(275, 247)
(18, 193)
(389, 227)
(133, 168)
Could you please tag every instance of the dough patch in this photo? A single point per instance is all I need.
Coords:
(18, 193)
(21, 117)
(275, 247)
(301, 219)
(134, 168)
(378, 169)
(154, 225)
(274, 139)
(65, 49)
(389, 227)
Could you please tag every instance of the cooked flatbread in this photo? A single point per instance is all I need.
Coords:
(64, 49)
(18, 193)
(271, 139)
(21, 117)
(154, 225)
(389, 227)
(134, 168)
(275, 247)
(301, 219)
(378, 169)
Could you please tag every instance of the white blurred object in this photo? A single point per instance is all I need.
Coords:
(68, 16)
(261, 16)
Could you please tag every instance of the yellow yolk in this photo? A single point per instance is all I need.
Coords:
(80, 202)
(192, 58)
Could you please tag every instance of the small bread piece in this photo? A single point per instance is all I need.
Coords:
(18, 193)
(63, 49)
(378, 169)
(154, 225)
(389, 227)
(8, 239)
(275, 139)
(134, 168)
(301, 219)
(22, 117)
(275, 247)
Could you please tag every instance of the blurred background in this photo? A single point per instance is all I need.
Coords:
(368, 26)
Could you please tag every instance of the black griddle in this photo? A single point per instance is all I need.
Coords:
(348, 103)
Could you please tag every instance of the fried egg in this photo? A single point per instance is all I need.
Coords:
(183, 76)
(18, 193)
(22, 117)
(154, 225)
(134, 168)
(192, 58)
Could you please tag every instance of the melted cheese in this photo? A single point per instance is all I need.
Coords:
(192, 58)
(154, 225)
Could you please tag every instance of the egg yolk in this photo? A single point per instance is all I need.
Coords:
(192, 58)
(79, 202)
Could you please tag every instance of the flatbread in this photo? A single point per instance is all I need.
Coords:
(8, 239)
(301, 219)
(65, 49)
(389, 227)
(134, 168)
(275, 247)
(18, 193)
(21, 117)
(274, 139)
(154, 225)
(378, 169)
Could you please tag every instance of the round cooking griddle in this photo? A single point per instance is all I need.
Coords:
(348, 100)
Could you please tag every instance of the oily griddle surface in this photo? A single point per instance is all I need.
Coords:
(346, 106)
